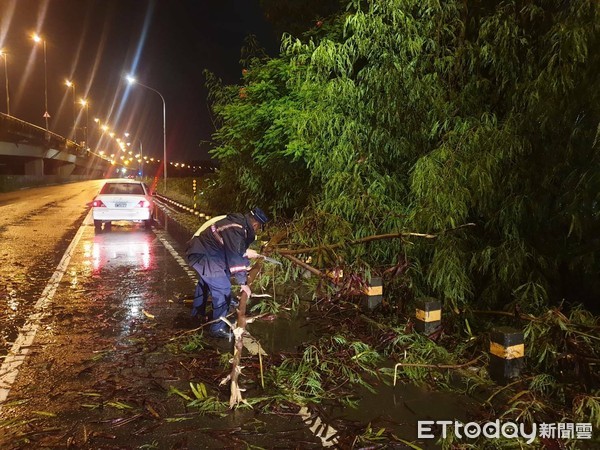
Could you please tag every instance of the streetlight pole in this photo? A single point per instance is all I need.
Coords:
(37, 38)
(141, 160)
(132, 80)
(83, 102)
(70, 84)
(5, 55)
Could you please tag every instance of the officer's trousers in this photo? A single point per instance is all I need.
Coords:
(219, 288)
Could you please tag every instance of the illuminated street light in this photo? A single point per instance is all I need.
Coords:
(37, 39)
(83, 102)
(131, 80)
(5, 56)
(71, 85)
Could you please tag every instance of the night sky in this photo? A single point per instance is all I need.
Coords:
(167, 44)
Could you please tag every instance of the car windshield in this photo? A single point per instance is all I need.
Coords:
(122, 188)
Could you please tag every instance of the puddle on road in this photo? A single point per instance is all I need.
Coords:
(124, 248)
(284, 334)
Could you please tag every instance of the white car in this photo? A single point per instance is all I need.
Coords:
(123, 200)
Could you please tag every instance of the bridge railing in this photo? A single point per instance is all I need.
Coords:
(17, 130)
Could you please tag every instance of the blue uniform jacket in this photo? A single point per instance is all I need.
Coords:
(219, 248)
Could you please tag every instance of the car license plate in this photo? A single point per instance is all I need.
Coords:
(120, 204)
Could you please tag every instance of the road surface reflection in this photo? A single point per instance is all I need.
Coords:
(119, 248)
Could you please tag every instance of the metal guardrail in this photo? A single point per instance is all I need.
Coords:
(182, 207)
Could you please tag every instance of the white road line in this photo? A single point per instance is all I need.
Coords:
(182, 263)
(326, 433)
(20, 349)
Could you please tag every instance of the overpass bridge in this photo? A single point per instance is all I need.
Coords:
(27, 150)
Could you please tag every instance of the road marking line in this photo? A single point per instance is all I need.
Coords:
(184, 265)
(20, 349)
(325, 432)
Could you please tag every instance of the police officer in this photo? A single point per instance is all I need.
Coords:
(217, 251)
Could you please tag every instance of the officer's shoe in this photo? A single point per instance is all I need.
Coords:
(219, 334)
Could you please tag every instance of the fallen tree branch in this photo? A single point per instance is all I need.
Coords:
(434, 366)
(286, 251)
(305, 266)
(539, 319)
(507, 314)
(240, 328)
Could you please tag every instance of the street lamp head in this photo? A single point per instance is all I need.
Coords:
(83, 102)
(69, 83)
(132, 80)
(36, 38)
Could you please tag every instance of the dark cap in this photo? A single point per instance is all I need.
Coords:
(259, 215)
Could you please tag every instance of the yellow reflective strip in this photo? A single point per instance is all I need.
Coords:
(207, 224)
(374, 290)
(512, 352)
(429, 316)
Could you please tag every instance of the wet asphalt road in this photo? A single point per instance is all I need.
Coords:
(36, 226)
(98, 311)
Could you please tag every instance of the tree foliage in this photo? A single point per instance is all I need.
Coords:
(424, 115)
(254, 127)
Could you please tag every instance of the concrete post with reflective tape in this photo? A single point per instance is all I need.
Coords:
(507, 354)
(428, 315)
(373, 294)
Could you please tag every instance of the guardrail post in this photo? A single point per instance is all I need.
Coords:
(507, 354)
(428, 315)
(373, 294)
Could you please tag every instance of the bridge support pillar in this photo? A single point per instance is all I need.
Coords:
(35, 167)
(65, 170)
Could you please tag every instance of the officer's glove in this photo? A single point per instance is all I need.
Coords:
(245, 288)
(251, 254)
